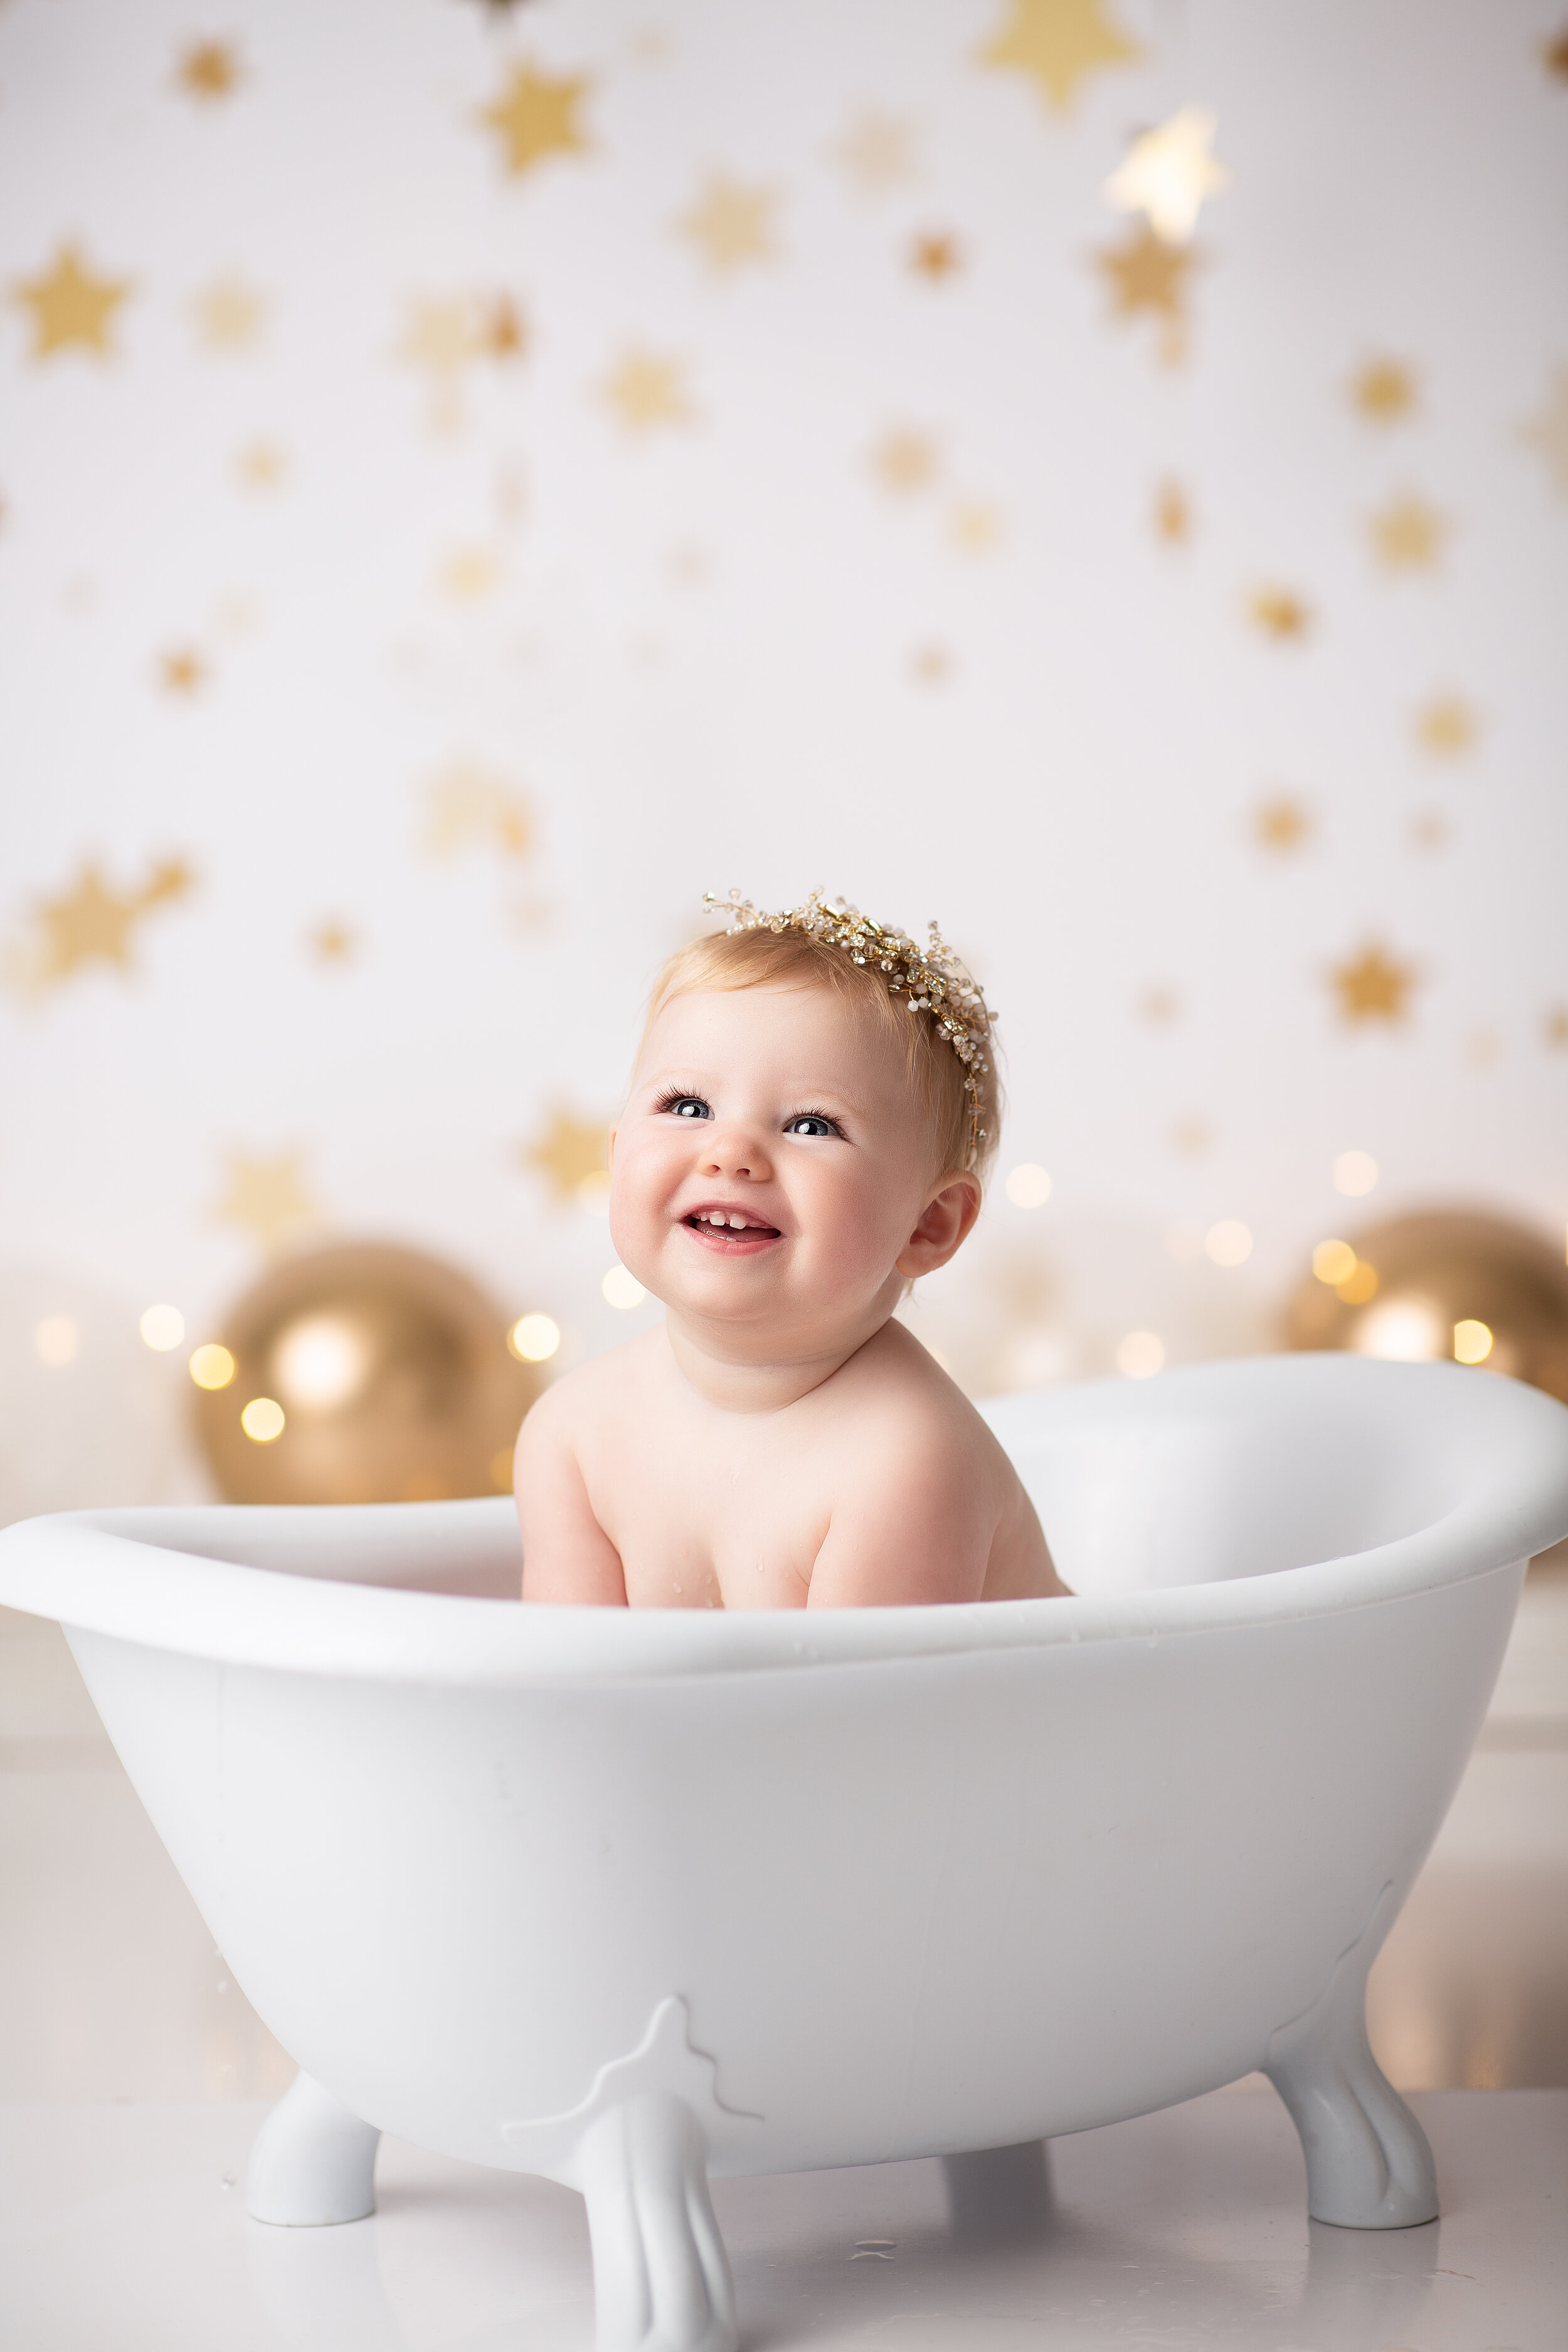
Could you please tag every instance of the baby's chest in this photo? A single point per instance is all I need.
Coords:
(696, 1527)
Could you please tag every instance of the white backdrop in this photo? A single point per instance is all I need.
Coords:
(475, 477)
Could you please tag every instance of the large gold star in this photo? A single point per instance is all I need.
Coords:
(1372, 986)
(269, 1197)
(731, 224)
(230, 315)
(1385, 390)
(1408, 535)
(535, 115)
(569, 1155)
(877, 151)
(1169, 174)
(1548, 429)
(72, 310)
(93, 923)
(209, 69)
(1280, 612)
(648, 389)
(905, 459)
(1058, 43)
(1146, 276)
(1282, 824)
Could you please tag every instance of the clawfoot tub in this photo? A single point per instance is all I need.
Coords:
(634, 1899)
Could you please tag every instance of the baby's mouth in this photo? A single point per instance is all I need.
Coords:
(716, 1224)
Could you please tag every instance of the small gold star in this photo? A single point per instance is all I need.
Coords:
(535, 115)
(1159, 1005)
(973, 525)
(1281, 825)
(1191, 1135)
(268, 1197)
(1554, 1025)
(1407, 535)
(230, 315)
(332, 942)
(646, 389)
(1280, 612)
(1446, 727)
(571, 1154)
(466, 804)
(502, 329)
(932, 664)
(1547, 431)
(1169, 174)
(1554, 55)
(905, 459)
(1385, 390)
(1172, 514)
(1145, 275)
(469, 572)
(730, 224)
(877, 151)
(935, 254)
(1428, 829)
(93, 923)
(1372, 986)
(72, 310)
(209, 69)
(182, 670)
(261, 465)
(1058, 43)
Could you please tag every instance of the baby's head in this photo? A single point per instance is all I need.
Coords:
(812, 1112)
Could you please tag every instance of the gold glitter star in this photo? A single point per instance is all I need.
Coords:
(268, 1197)
(1169, 174)
(935, 254)
(646, 389)
(1446, 727)
(91, 923)
(1407, 535)
(1372, 986)
(466, 804)
(535, 116)
(571, 1156)
(877, 151)
(1547, 431)
(1172, 514)
(1146, 276)
(1281, 825)
(1554, 55)
(1159, 1005)
(905, 459)
(182, 670)
(332, 942)
(469, 573)
(729, 224)
(1280, 612)
(230, 315)
(1555, 1024)
(973, 525)
(72, 310)
(1192, 1136)
(932, 664)
(261, 465)
(209, 69)
(502, 330)
(1385, 391)
(1058, 43)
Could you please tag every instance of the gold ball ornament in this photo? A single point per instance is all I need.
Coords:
(361, 1373)
(1442, 1283)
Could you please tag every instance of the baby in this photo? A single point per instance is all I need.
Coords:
(810, 1115)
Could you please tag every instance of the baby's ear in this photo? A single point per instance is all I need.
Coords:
(944, 1223)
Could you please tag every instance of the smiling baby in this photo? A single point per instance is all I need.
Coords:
(809, 1120)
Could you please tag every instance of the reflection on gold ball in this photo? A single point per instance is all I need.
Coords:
(365, 1374)
(1445, 1283)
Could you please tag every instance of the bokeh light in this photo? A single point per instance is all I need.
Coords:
(1355, 1172)
(162, 1327)
(55, 1341)
(1358, 1285)
(623, 1289)
(1333, 1262)
(212, 1367)
(534, 1338)
(1028, 1185)
(263, 1419)
(319, 1361)
(1472, 1342)
(1406, 1331)
(1228, 1242)
(1141, 1355)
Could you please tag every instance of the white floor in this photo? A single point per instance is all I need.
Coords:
(134, 2075)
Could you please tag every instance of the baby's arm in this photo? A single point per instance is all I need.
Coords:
(907, 1528)
(567, 1555)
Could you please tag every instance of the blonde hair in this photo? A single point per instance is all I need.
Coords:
(767, 958)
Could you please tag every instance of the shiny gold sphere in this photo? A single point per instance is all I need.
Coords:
(1452, 1283)
(360, 1374)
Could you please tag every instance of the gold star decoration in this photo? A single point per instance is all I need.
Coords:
(571, 1156)
(1554, 1025)
(90, 923)
(332, 942)
(1372, 986)
(72, 310)
(182, 671)
(230, 315)
(535, 115)
(905, 459)
(647, 389)
(1547, 431)
(935, 254)
(1554, 55)
(973, 525)
(468, 804)
(502, 329)
(1280, 612)
(877, 151)
(1385, 391)
(261, 465)
(1172, 514)
(1428, 830)
(469, 573)
(931, 665)
(209, 69)
(1146, 276)
(1280, 824)
(1446, 727)
(1192, 1136)
(1058, 43)
(268, 1197)
(1408, 535)
(1168, 174)
(1159, 1005)
(729, 224)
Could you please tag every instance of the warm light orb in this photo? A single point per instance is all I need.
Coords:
(320, 1363)
(262, 1420)
(1355, 1172)
(1406, 1331)
(1228, 1242)
(623, 1289)
(1333, 1262)
(1358, 1285)
(55, 1341)
(533, 1338)
(1141, 1355)
(1169, 174)
(162, 1327)
(1028, 1186)
(1472, 1342)
(212, 1367)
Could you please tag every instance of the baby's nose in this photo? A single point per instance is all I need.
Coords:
(733, 1152)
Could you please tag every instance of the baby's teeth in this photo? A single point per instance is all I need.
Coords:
(738, 1221)
(716, 1217)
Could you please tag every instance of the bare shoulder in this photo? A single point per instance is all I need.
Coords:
(902, 1395)
(587, 1399)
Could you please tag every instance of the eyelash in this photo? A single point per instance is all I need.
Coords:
(667, 1102)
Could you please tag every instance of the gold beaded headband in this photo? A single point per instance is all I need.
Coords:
(930, 980)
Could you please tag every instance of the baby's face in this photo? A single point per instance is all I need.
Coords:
(771, 1167)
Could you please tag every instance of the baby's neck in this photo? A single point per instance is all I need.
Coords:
(732, 1378)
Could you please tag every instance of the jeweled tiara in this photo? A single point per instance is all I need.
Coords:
(931, 980)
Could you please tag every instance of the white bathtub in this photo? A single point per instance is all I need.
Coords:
(630, 1899)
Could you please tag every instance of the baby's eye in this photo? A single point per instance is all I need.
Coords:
(812, 1122)
(686, 1106)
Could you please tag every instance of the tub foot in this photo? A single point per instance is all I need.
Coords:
(661, 2278)
(1368, 2163)
(312, 2162)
